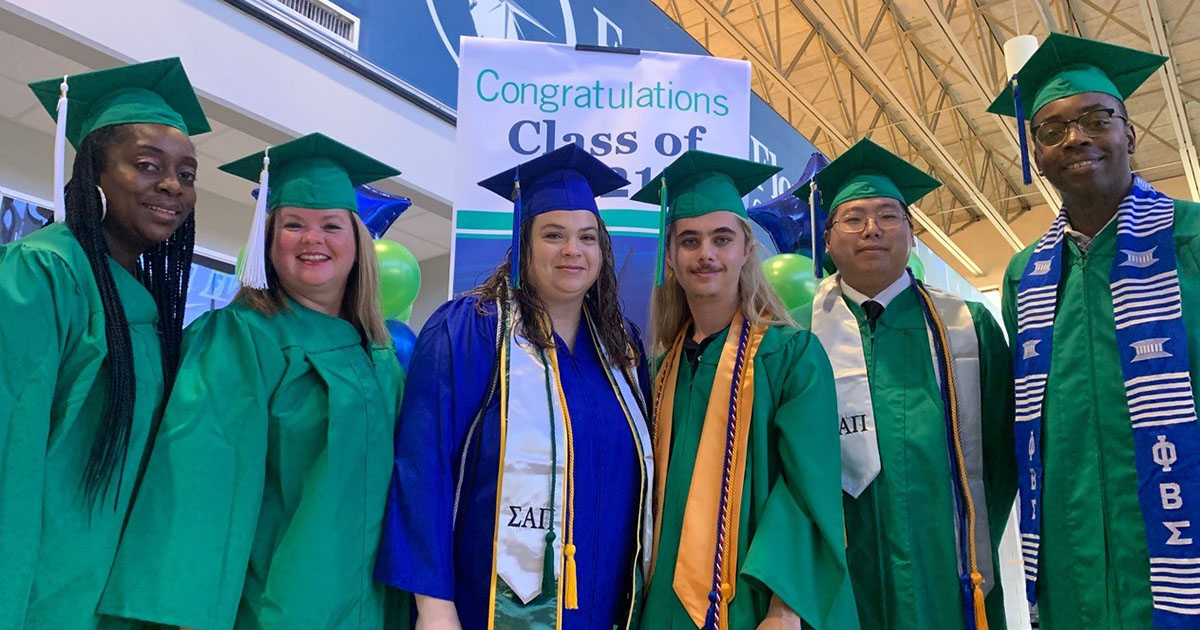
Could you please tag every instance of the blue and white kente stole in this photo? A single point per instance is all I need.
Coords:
(1152, 343)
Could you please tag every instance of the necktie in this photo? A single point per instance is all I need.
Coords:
(872, 310)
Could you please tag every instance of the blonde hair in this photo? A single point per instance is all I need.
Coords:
(361, 301)
(669, 310)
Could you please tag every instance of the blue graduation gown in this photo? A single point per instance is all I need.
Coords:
(426, 550)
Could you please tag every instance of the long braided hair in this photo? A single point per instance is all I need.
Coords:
(164, 270)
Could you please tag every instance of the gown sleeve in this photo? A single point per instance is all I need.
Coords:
(450, 365)
(41, 315)
(184, 554)
(798, 549)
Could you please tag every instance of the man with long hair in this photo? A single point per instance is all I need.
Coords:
(748, 529)
(1102, 312)
(928, 484)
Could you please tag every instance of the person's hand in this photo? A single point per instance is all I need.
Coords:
(436, 614)
(780, 617)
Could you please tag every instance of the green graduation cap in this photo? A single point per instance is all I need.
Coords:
(864, 171)
(151, 92)
(698, 183)
(313, 171)
(1065, 66)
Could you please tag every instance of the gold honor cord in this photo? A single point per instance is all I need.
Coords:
(947, 365)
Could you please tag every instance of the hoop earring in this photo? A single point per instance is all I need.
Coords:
(103, 204)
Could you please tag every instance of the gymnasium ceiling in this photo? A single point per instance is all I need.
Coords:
(916, 76)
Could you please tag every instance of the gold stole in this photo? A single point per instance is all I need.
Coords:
(694, 567)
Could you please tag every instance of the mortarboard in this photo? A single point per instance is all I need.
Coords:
(152, 92)
(567, 178)
(698, 183)
(313, 171)
(868, 170)
(1065, 66)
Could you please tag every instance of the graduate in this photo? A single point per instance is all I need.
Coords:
(262, 502)
(748, 520)
(91, 313)
(927, 492)
(520, 497)
(1102, 311)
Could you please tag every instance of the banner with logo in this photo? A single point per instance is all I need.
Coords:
(635, 112)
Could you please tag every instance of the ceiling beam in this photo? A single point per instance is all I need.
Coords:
(860, 64)
(981, 90)
(1159, 43)
(839, 140)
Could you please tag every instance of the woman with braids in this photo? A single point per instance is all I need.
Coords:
(91, 309)
(519, 497)
(263, 500)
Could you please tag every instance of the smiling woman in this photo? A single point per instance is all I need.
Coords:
(522, 452)
(263, 500)
(83, 387)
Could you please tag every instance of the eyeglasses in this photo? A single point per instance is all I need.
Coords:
(853, 222)
(1093, 123)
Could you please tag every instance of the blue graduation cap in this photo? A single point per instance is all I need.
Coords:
(567, 178)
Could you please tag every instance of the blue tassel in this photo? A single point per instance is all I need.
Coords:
(714, 607)
(1026, 176)
(968, 600)
(515, 270)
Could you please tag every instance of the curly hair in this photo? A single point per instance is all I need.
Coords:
(163, 269)
(601, 301)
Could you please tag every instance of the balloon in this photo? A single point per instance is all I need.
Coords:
(399, 277)
(378, 210)
(787, 218)
(792, 277)
(241, 259)
(404, 338)
(918, 267)
(406, 315)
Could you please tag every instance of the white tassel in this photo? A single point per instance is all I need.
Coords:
(60, 154)
(254, 267)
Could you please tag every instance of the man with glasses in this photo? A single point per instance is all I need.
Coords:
(927, 467)
(1107, 445)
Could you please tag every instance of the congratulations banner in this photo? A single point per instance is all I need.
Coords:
(636, 112)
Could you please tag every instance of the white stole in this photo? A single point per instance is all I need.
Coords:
(836, 327)
(523, 517)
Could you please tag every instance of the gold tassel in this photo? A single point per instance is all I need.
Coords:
(980, 610)
(571, 594)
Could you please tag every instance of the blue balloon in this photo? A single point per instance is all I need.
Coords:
(788, 219)
(404, 338)
(377, 209)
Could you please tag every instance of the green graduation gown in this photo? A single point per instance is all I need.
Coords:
(55, 553)
(900, 530)
(791, 541)
(262, 503)
(1094, 567)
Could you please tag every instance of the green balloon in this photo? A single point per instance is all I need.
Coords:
(918, 267)
(399, 277)
(406, 315)
(241, 260)
(792, 277)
